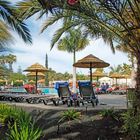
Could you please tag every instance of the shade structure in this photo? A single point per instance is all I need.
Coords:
(90, 61)
(36, 68)
(116, 76)
(33, 74)
(98, 74)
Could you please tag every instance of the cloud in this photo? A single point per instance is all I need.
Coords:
(58, 60)
(62, 61)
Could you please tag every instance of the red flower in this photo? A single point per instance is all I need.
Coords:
(72, 2)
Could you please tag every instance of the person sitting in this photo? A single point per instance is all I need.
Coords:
(103, 88)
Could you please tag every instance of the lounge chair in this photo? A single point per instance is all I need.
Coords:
(87, 93)
(65, 94)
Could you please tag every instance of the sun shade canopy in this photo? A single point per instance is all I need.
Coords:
(36, 67)
(91, 61)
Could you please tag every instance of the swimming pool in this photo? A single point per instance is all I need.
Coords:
(22, 89)
(48, 90)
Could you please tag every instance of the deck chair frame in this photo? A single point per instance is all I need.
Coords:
(87, 93)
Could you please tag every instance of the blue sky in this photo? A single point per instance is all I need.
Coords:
(58, 60)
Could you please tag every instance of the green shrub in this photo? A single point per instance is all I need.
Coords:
(16, 84)
(2, 83)
(20, 124)
(69, 115)
(7, 111)
(24, 129)
(108, 113)
(131, 124)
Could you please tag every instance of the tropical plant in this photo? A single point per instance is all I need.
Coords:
(73, 41)
(70, 115)
(17, 76)
(18, 83)
(131, 124)
(108, 113)
(7, 112)
(21, 125)
(2, 82)
(10, 59)
(115, 69)
(8, 21)
(24, 128)
(4, 71)
(119, 20)
(126, 69)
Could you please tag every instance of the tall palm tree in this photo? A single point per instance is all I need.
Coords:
(73, 41)
(10, 59)
(115, 69)
(9, 21)
(120, 18)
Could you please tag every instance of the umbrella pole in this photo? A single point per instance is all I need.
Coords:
(36, 82)
(97, 78)
(116, 81)
(91, 73)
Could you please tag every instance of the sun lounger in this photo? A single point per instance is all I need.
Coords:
(119, 92)
(32, 98)
(29, 98)
(65, 94)
(87, 93)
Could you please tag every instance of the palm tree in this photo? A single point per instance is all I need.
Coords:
(10, 59)
(115, 69)
(73, 41)
(9, 21)
(120, 18)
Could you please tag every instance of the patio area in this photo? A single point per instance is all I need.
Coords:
(105, 102)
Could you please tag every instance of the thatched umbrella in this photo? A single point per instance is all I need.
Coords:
(90, 61)
(33, 74)
(98, 74)
(116, 76)
(36, 68)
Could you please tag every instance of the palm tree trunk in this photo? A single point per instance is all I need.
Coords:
(138, 75)
(137, 104)
(74, 73)
(133, 80)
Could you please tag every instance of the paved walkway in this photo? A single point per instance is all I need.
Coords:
(105, 102)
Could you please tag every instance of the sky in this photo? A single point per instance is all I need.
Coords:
(58, 60)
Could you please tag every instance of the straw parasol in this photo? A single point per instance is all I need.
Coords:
(33, 74)
(116, 76)
(90, 61)
(98, 74)
(36, 68)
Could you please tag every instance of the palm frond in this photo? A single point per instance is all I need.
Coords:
(7, 13)
(28, 8)
(5, 37)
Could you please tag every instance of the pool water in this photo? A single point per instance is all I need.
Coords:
(48, 90)
(21, 90)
